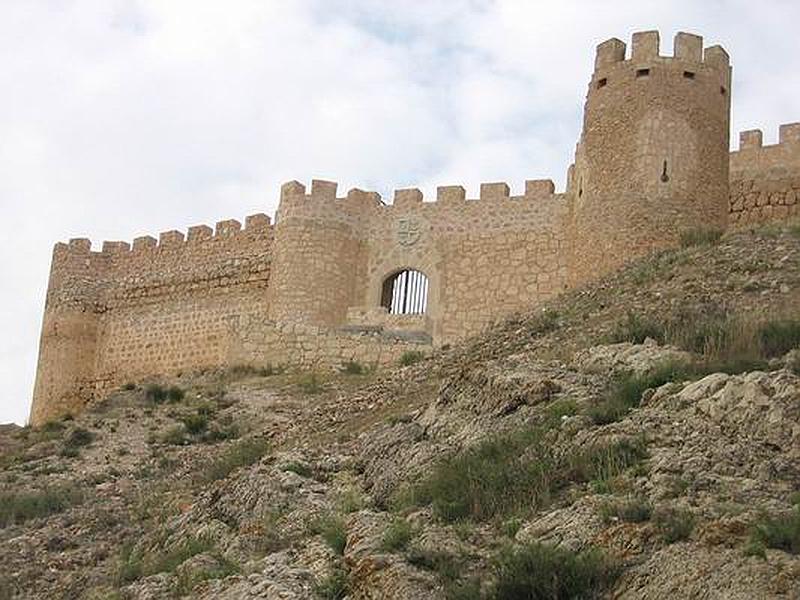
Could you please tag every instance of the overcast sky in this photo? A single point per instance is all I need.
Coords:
(121, 118)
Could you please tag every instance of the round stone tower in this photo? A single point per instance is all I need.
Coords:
(319, 260)
(653, 156)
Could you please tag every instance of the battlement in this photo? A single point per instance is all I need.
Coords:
(788, 135)
(755, 159)
(646, 46)
(256, 226)
(323, 195)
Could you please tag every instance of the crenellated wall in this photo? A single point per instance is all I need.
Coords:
(765, 180)
(652, 160)
(160, 307)
(484, 258)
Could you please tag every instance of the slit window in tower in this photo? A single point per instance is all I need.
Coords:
(642, 72)
(688, 75)
(602, 83)
(405, 293)
(664, 176)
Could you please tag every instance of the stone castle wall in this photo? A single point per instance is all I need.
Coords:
(765, 180)
(484, 258)
(160, 307)
(652, 161)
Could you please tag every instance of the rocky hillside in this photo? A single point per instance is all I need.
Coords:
(639, 438)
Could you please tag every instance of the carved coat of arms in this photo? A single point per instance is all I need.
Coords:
(409, 230)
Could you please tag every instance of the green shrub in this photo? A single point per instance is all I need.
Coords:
(78, 438)
(350, 500)
(332, 530)
(174, 436)
(195, 423)
(780, 532)
(626, 392)
(130, 386)
(155, 393)
(511, 527)
(241, 454)
(353, 367)
(543, 572)
(469, 589)
(566, 407)
(636, 329)
(631, 510)
(411, 357)
(133, 564)
(495, 477)
(700, 237)
(18, 507)
(727, 343)
(778, 337)
(336, 586)
(603, 463)
(188, 579)
(673, 525)
(397, 535)
(510, 473)
(175, 394)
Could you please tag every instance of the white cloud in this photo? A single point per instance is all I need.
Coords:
(120, 118)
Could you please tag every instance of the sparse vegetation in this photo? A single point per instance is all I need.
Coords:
(350, 500)
(511, 473)
(331, 528)
(311, 384)
(626, 392)
(445, 564)
(175, 394)
(725, 342)
(128, 387)
(78, 438)
(781, 532)
(18, 507)
(335, 586)
(353, 367)
(397, 535)
(630, 510)
(700, 237)
(136, 563)
(411, 357)
(299, 468)
(187, 580)
(240, 454)
(174, 436)
(242, 371)
(195, 423)
(155, 393)
(674, 525)
(543, 572)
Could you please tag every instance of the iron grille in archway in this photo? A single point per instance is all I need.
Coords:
(405, 293)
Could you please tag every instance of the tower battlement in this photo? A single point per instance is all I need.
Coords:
(646, 47)
(356, 277)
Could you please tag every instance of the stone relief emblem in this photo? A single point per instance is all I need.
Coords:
(409, 231)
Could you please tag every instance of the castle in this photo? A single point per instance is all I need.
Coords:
(341, 279)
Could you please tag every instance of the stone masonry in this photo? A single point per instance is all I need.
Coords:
(652, 161)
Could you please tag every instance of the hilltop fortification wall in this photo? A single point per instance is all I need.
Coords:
(765, 180)
(159, 307)
(311, 290)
